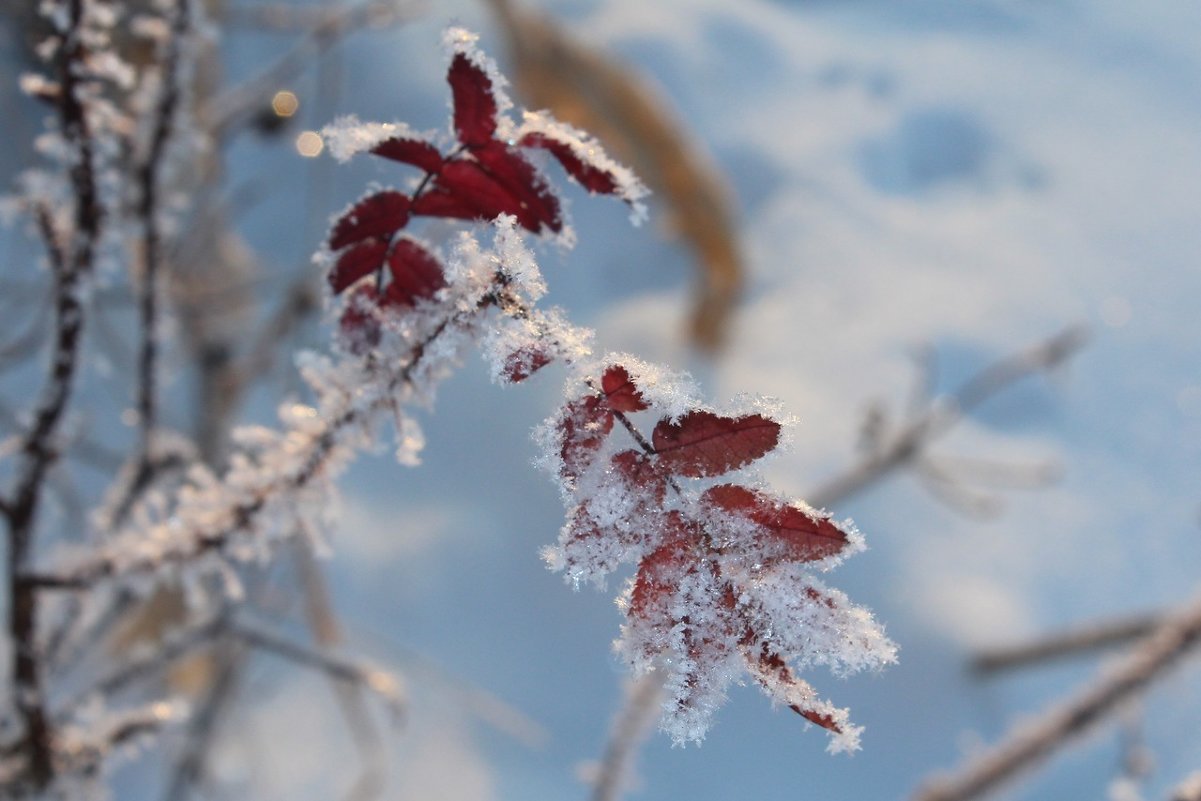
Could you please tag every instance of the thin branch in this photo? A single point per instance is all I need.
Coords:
(1063, 644)
(227, 112)
(942, 414)
(242, 514)
(147, 176)
(38, 449)
(629, 731)
(1031, 743)
(326, 629)
(339, 667)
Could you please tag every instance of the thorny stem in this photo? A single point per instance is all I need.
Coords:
(38, 449)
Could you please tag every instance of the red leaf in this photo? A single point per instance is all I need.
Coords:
(641, 472)
(772, 664)
(379, 215)
(584, 426)
(807, 538)
(512, 171)
(356, 262)
(475, 104)
(410, 151)
(660, 571)
(524, 362)
(416, 273)
(438, 202)
(620, 392)
(466, 190)
(591, 177)
(704, 444)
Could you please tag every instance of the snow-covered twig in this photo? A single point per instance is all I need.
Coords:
(1177, 637)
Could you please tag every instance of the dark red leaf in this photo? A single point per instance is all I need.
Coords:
(438, 202)
(591, 177)
(585, 424)
(475, 104)
(641, 472)
(660, 571)
(807, 538)
(416, 273)
(512, 171)
(772, 664)
(704, 444)
(378, 216)
(466, 190)
(356, 262)
(524, 362)
(410, 151)
(620, 392)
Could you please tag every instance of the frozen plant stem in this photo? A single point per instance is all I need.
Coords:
(71, 258)
(1029, 744)
(943, 413)
(241, 516)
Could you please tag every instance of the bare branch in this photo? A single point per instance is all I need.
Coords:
(378, 681)
(630, 727)
(943, 413)
(1030, 744)
(1063, 644)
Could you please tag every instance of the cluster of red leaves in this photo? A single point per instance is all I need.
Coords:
(679, 543)
(481, 178)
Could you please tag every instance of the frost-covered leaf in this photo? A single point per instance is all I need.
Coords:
(660, 573)
(377, 216)
(705, 444)
(620, 392)
(416, 273)
(591, 177)
(534, 196)
(641, 474)
(524, 362)
(466, 190)
(356, 262)
(584, 424)
(805, 537)
(407, 150)
(475, 104)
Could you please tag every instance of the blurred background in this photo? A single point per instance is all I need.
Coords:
(860, 205)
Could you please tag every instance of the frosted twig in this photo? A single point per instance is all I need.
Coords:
(939, 416)
(1031, 743)
(1058, 645)
(240, 513)
(70, 264)
(378, 681)
(147, 175)
(629, 731)
(327, 631)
